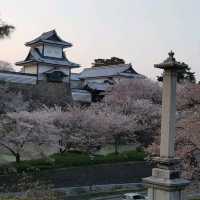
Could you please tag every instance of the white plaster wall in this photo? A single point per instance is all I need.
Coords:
(52, 51)
(118, 79)
(96, 80)
(31, 69)
(41, 69)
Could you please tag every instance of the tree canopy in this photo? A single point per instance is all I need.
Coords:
(6, 66)
(183, 75)
(5, 29)
(106, 62)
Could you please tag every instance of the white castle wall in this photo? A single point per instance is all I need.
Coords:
(53, 51)
(30, 69)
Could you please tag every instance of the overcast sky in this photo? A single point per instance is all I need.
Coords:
(140, 31)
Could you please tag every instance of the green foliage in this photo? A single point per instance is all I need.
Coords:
(183, 75)
(5, 29)
(73, 159)
(106, 62)
(195, 199)
(70, 159)
(122, 157)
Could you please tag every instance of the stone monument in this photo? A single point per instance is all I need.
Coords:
(165, 182)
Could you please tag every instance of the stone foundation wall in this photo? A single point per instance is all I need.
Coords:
(130, 172)
(43, 93)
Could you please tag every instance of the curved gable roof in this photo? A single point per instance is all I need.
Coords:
(35, 56)
(50, 37)
(105, 71)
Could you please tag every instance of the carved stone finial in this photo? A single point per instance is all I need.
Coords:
(171, 54)
(171, 63)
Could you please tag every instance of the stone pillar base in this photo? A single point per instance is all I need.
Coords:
(165, 188)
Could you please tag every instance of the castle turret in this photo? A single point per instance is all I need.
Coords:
(47, 59)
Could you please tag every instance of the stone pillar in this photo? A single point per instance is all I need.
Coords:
(168, 114)
(165, 182)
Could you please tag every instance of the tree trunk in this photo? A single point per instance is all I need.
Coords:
(60, 144)
(17, 157)
(116, 146)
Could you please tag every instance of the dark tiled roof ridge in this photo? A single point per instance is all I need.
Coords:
(111, 70)
(37, 57)
(44, 38)
(108, 66)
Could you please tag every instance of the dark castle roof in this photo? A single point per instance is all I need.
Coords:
(50, 37)
(35, 56)
(108, 71)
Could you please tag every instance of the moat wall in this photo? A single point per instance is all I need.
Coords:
(48, 93)
(129, 172)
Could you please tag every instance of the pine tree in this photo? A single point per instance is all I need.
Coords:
(183, 75)
(5, 29)
(106, 62)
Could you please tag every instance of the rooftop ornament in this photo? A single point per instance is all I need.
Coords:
(171, 63)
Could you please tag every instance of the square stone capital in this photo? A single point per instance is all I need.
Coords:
(165, 173)
(167, 163)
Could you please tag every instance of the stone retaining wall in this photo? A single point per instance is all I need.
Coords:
(129, 172)
(43, 93)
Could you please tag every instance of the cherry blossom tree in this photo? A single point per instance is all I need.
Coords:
(188, 95)
(188, 141)
(79, 129)
(139, 99)
(20, 129)
(6, 66)
(14, 134)
(125, 93)
(119, 128)
(12, 101)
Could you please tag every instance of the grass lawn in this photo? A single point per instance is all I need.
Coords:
(195, 199)
(72, 159)
(5, 158)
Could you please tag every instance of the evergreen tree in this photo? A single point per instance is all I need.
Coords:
(183, 75)
(5, 29)
(106, 62)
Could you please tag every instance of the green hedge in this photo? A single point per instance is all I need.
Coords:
(72, 159)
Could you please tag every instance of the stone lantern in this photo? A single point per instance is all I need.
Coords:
(165, 182)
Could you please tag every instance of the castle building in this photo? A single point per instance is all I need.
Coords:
(47, 68)
(47, 60)
(100, 80)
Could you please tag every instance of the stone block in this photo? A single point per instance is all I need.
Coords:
(165, 174)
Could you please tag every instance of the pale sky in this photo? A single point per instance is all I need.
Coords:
(140, 31)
